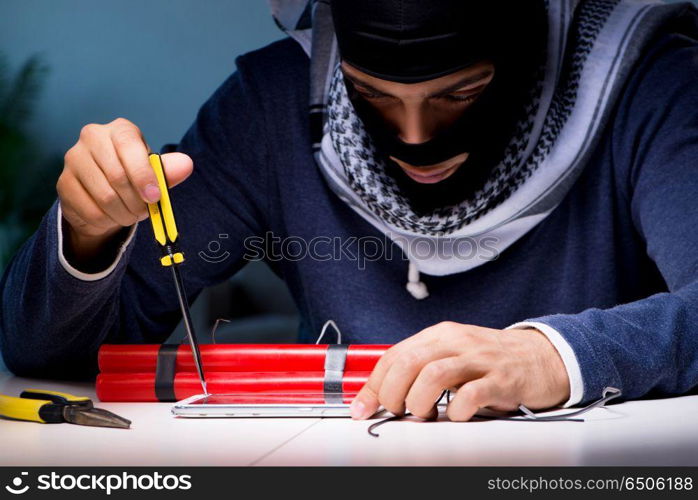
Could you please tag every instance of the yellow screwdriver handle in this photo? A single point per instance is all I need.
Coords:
(165, 206)
(162, 215)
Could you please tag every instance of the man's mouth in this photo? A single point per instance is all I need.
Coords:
(429, 175)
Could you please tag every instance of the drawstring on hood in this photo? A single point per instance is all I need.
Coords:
(418, 289)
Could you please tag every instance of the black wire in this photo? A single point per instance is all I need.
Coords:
(372, 427)
(608, 394)
(384, 421)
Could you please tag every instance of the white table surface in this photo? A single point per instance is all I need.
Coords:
(650, 432)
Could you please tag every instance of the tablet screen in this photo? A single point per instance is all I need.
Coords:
(266, 405)
(274, 399)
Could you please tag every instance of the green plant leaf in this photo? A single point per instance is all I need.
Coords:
(4, 76)
(27, 186)
(18, 102)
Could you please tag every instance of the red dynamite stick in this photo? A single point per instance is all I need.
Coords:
(237, 358)
(140, 387)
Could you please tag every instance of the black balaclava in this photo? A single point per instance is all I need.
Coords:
(410, 41)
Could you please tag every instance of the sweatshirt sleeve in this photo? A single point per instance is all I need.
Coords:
(54, 317)
(650, 347)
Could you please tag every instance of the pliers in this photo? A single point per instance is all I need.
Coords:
(51, 407)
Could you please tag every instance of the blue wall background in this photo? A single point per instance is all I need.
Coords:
(151, 61)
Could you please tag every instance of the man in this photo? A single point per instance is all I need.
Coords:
(530, 167)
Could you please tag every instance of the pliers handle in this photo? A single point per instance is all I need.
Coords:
(52, 407)
(35, 405)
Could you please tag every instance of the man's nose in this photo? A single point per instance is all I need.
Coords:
(414, 125)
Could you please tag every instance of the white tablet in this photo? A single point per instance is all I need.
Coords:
(264, 405)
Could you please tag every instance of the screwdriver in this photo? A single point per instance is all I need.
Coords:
(166, 235)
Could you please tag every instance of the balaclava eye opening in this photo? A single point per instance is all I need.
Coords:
(411, 41)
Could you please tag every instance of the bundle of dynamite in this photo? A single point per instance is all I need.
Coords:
(165, 373)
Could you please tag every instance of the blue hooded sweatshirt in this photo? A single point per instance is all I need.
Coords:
(613, 269)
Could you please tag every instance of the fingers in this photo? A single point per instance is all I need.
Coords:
(399, 378)
(132, 152)
(107, 161)
(89, 203)
(395, 373)
(80, 210)
(93, 180)
(436, 377)
(470, 398)
(178, 167)
(410, 366)
(366, 402)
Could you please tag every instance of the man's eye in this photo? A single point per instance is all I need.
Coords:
(458, 98)
(370, 95)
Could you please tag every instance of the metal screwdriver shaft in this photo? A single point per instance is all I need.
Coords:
(188, 326)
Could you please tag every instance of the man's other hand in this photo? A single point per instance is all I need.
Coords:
(499, 369)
